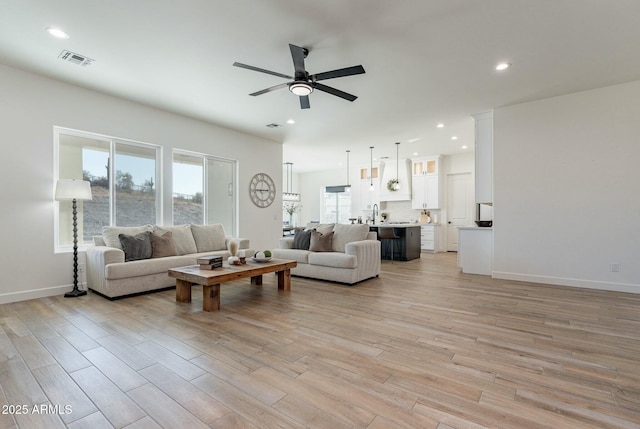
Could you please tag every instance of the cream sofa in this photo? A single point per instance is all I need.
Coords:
(354, 255)
(109, 275)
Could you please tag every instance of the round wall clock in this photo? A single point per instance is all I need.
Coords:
(262, 190)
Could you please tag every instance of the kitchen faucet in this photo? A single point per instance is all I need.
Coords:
(375, 209)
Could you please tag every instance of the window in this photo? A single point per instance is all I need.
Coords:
(131, 199)
(204, 190)
(336, 207)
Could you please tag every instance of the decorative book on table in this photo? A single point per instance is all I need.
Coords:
(209, 262)
(209, 266)
(209, 259)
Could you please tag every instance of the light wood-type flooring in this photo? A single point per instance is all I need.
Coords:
(422, 346)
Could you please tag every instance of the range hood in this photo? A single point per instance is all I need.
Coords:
(388, 172)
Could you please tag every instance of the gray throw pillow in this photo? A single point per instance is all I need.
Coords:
(137, 246)
(301, 239)
(321, 242)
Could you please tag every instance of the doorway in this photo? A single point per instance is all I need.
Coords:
(460, 200)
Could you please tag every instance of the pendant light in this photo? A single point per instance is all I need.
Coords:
(340, 188)
(371, 169)
(396, 185)
(290, 196)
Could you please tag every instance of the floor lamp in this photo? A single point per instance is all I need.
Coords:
(74, 190)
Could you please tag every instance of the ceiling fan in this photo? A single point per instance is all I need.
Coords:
(302, 83)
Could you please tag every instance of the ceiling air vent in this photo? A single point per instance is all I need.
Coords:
(74, 58)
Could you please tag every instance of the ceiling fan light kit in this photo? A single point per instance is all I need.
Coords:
(301, 89)
(304, 83)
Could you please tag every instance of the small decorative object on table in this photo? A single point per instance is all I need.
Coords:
(233, 250)
(262, 256)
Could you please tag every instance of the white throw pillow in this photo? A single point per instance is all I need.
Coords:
(209, 237)
(110, 233)
(182, 237)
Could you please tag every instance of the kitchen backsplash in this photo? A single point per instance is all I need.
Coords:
(401, 211)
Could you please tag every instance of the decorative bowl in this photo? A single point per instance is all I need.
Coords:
(484, 223)
(261, 259)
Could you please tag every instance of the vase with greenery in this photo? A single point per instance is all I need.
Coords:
(291, 208)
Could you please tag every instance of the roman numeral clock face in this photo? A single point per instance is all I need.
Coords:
(262, 190)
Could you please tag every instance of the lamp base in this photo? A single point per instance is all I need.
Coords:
(75, 293)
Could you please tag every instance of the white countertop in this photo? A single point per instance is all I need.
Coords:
(397, 225)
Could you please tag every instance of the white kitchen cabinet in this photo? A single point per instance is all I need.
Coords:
(368, 197)
(427, 183)
(475, 250)
(431, 238)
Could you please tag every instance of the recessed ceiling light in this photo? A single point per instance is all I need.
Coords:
(413, 140)
(415, 153)
(503, 66)
(290, 121)
(56, 32)
(440, 125)
(464, 147)
(454, 137)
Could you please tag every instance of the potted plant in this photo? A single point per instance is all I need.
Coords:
(291, 208)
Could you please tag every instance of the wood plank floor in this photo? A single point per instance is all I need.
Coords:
(422, 346)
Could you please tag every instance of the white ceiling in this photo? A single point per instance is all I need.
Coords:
(426, 61)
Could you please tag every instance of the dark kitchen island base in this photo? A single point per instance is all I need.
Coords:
(406, 247)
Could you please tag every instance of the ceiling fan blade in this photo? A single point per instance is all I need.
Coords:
(258, 69)
(347, 71)
(297, 53)
(334, 91)
(304, 102)
(273, 88)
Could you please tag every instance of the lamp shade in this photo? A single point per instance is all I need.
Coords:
(71, 189)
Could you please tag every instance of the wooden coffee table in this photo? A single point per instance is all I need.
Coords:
(212, 279)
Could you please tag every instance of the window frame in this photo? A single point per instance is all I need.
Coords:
(112, 141)
(205, 185)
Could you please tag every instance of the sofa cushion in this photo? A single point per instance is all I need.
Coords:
(321, 242)
(163, 245)
(182, 237)
(333, 259)
(320, 227)
(110, 233)
(301, 239)
(136, 247)
(126, 270)
(209, 237)
(298, 255)
(346, 233)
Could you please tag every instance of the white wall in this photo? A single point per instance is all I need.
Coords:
(566, 201)
(310, 186)
(31, 105)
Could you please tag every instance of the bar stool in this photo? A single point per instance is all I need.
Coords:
(388, 234)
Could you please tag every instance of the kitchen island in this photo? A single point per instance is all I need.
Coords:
(406, 247)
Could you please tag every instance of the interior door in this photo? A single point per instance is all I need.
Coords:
(459, 206)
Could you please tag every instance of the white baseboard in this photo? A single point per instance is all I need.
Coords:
(7, 298)
(562, 281)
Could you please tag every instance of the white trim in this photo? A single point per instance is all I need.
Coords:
(563, 281)
(7, 298)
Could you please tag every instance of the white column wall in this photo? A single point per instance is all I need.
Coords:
(566, 175)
